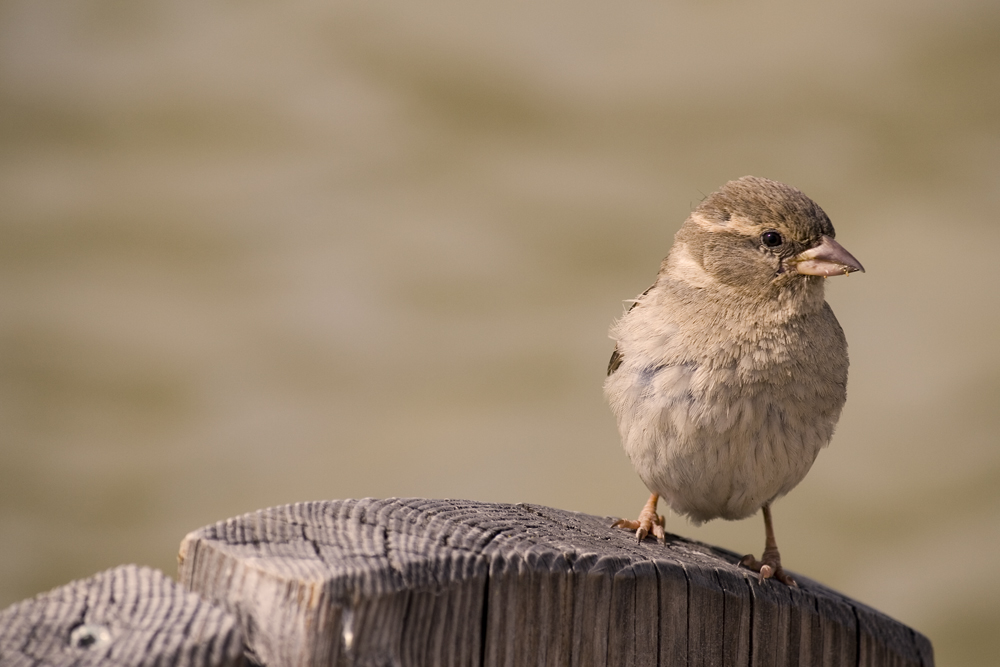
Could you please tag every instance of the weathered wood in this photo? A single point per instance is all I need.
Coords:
(126, 616)
(452, 582)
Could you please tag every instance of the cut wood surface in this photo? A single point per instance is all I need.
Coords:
(126, 616)
(454, 582)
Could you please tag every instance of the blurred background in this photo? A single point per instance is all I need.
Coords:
(257, 253)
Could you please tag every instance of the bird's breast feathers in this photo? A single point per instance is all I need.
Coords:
(719, 421)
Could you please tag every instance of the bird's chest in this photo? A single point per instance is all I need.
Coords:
(729, 393)
(719, 440)
(737, 398)
(745, 382)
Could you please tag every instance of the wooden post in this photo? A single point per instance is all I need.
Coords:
(126, 616)
(453, 582)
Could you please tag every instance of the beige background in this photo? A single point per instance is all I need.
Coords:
(255, 253)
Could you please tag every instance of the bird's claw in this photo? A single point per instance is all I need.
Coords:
(768, 568)
(648, 522)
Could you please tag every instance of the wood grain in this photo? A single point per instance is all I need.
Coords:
(126, 616)
(454, 582)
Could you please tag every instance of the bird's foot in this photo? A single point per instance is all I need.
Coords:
(768, 567)
(648, 522)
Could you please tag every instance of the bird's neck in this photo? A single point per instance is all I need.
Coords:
(737, 307)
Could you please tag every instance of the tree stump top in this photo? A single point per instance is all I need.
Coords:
(455, 582)
(127, 617)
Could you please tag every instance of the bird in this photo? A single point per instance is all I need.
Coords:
(730, 372)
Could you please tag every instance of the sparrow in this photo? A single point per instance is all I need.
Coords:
(730, 372)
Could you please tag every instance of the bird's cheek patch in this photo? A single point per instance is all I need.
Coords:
(686, 268)
(730, 260)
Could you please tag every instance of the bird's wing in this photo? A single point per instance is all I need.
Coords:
(616, 356)
(616, 361)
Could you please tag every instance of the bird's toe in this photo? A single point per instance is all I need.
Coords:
(768, 568)
(648, 522)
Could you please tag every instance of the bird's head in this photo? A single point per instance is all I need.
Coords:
(759, 236)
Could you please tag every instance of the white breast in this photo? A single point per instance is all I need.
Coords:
(721, 452)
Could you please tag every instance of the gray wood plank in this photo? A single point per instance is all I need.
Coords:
(881, 644)
(838, 626)
(735, 631)
(456, 582)
(126, 616)
(672, 591)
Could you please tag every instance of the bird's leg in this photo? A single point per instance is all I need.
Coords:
(649, 522)
(769, 564)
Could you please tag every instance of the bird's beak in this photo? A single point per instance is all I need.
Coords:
(827, 259)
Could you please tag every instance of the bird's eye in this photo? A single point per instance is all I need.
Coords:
(771, 239)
